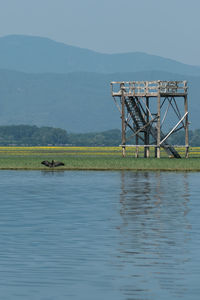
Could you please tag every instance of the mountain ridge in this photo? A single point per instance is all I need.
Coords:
(77, 102)
(32, 54)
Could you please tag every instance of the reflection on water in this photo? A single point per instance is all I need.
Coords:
(155, 232)
(50, 172)
(99, 235)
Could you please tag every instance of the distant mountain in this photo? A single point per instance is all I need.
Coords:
(77, 102)
(41, 55)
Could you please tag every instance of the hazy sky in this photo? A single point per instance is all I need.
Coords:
(169, 28)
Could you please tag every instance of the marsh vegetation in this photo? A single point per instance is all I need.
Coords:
(94, 158)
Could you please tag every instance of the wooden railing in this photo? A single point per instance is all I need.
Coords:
(148, 88)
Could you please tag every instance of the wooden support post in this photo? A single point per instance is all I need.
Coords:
(186, 128)
(158, 124)
(123, 121)
(146, 135)
(137, 148)
(155, 152)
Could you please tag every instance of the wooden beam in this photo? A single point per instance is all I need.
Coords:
(146, 135)
(158, 126)
(173, 129)
(186, 128)
(123, 121)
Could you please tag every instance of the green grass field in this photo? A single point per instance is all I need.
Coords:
(93, 158)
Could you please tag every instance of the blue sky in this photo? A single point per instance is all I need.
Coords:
(167, 28)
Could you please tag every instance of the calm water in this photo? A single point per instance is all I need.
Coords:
(99, 235)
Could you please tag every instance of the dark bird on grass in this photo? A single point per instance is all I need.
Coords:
(52, 164)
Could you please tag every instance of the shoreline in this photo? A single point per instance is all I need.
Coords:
(93, 159)
(100, 169)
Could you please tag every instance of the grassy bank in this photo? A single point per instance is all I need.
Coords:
(103, 163)
(91, 158)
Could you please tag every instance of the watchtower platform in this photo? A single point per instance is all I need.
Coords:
(153, 111)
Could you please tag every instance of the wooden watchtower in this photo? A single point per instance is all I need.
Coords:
(152, 111)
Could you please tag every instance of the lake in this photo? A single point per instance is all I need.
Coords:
(93, 235)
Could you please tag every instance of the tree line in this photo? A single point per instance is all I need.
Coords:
(27, 135)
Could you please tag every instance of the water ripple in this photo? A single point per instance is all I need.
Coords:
(93, 235)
